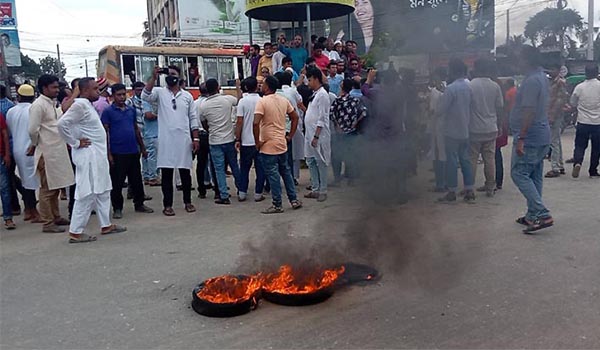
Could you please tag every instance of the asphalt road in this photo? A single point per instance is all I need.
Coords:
(454, 276)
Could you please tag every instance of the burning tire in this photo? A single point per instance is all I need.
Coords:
(305, 299)
(226, 296)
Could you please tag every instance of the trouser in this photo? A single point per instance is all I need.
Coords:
(149, 163)
(499, 168)
(167, 186)
(487, 149)
(290, 156)
(556, 156)
(49, 211)
(343, 150)
(202, 164)
(274, 167)
(29, 199)
(223, 155)
(585, 133)
(527, 174)
(5, 191)
(439, 170)
(83, 208)
(457, 151)
(296, 173)
(249, 155)
(126, 165)
(16, 186)
(318, 174)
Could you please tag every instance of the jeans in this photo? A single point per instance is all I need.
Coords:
(274, 167)
(149, 164)
(290, 156)
(439, 169)
(343, 149)
(249, 155)
(458, 151)
(585, 133)
(487, 149)
(499, 168)
(556, 157)
(527, 173)
(167, 186)
(221, 155)
(126, 165)
(202, 173)
(318, 174)
(5, 191)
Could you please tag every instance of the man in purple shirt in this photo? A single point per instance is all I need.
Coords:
(254, 57)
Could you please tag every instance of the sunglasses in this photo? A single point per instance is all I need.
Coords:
(174, 102)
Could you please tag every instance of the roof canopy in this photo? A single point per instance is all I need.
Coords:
(295, 10)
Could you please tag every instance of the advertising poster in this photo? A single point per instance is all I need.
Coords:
(12, 52)
(421, 26)
(8, 14)
(219, 20)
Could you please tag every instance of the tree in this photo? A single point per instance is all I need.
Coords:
(29, 69)
(549, 27)
(49, 64)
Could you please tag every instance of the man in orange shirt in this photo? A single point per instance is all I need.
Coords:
(271, 141)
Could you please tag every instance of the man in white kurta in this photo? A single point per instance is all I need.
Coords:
(82, 129)
(317, 144)
(17, 120)
(178, 135)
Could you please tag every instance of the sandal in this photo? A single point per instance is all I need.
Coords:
(273, 210)
(82, 238)
(114, 229)
(169, 212)
(522, 221)
(539, 224)
(9, 225)
(312, 195)
(190, 208)
(296, 204)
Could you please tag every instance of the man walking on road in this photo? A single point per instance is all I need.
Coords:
(178, 135)
(531, 133)
(51, 157)
(558, 99)
(124, 147)
(82, 129)
(586, 98)
(269, 129)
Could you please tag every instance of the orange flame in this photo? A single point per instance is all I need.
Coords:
(229, 289)
(290, 281)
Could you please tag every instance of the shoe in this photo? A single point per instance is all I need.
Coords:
(562, 171)
(117, 214)
(312, 195)
(552, 174)
(147, 197)
(570, 161)
(322, 197)
(62, 222)
(576, 170)
(223, 201)
(144, 209)
(259, 198)
(469, 197)
(53, 229)
(9, 224)
(296, 204)
(450, 197)
(273, 210)
(595, 176)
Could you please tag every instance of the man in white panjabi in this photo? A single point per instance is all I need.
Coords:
(317, 142)
(17, 120)
(82, 129)
(178, 135)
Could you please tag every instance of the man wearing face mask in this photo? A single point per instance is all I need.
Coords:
(177, 116)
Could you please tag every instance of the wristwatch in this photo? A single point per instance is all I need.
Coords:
(316, 137)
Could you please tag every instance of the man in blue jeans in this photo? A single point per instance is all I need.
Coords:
(271, 141)
(216, 112)
(531, 131)
(455, 111)
(4, 176)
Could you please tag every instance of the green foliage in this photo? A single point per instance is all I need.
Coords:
(48, 65)
(384, 45)
(551, 24)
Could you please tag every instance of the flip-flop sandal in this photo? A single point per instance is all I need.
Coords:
(83, 238)
(169, 212)
(296, 204)
(190, 208)
(115, 229)
(11, 226)
(538, 225)
(522, 221)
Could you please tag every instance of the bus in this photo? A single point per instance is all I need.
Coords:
(128, 64)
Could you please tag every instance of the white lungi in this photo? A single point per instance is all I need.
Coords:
(83, 208)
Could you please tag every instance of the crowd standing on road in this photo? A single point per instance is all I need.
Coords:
(323, 108)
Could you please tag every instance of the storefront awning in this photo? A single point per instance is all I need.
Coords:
(295, 10)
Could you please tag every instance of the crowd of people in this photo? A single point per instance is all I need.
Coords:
(325, 110)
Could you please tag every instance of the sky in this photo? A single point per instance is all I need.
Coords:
(83, 27)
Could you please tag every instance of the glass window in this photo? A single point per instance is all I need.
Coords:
(178, 61)
(211, 68)
(226, 71)
(145, 67)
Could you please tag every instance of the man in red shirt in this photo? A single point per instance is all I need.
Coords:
(321, 59)
(4, 177)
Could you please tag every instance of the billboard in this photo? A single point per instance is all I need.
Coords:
(421, 26)
(8, 14)
(12, 52)
(218, 19)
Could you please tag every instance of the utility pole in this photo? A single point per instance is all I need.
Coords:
(507, 26)
(58, 70)
(590, 44)
(86, 69)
